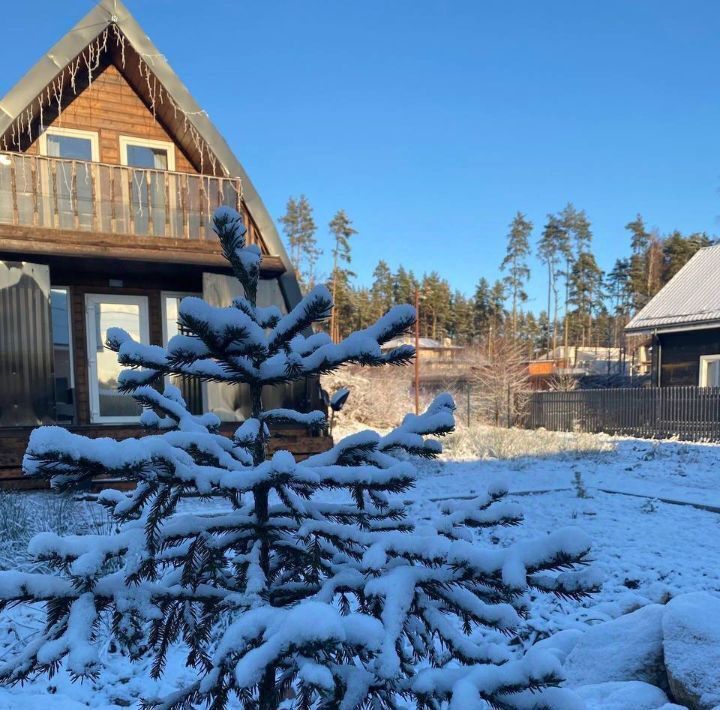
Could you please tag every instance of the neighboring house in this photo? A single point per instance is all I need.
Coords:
(683, 320)
(589, 367)
(109, 175)
(440, 364)
(429, 349)
(589, 360)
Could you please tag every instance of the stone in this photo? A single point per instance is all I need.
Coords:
(622, 695)
(627, 648)
(691, 641)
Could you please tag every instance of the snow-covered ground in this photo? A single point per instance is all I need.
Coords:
(618, 490)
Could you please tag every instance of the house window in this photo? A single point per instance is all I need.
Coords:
(73, 174)
(148, 194)
(144, 153)
(191, 388)
(710, 371)
(62, 355)
(70, 144)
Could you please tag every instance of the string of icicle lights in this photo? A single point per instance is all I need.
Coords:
(88, 63)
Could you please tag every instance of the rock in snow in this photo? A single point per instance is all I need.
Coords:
(623, 695)
(691, 638)
(627, 648)
(561, 643)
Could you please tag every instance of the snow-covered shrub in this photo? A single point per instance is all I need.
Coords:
(24, 515)
(379, 398)
(480, 441)
(310, 588)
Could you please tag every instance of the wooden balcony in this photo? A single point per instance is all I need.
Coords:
(77, 208)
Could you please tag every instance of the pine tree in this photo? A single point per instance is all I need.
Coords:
(515, 262)
(639, 243)
(553, 247)
(678, 250)
(299, 228)
(345, 305)
(482, 309)
(619, 288)
(585, 292)
(283, 594)
(436, 304)
(577, 227)
(497, 309)
(404, 286)
(341, 230)
(461, 319)
(383, 292)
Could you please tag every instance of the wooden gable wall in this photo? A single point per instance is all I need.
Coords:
(112, 108)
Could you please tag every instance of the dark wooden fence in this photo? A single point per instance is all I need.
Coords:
(689, 413)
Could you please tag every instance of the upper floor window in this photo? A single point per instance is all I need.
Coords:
(148, 196)
(72, 183)
(70, 144)
(145, 153)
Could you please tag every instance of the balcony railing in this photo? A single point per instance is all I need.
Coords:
(55, 193)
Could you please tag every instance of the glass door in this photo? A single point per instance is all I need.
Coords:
(102, 312)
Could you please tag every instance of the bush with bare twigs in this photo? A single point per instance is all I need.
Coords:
(500, 381)
(377, 398)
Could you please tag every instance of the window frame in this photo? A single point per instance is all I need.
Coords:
(71, 349)
(71, 342)
(92, 136)
(164, 295)
(93, 391)
(705, 361)
(168, 146)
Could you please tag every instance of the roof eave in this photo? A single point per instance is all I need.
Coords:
(672, 327)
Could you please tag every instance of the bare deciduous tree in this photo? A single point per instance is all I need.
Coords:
(501, 381)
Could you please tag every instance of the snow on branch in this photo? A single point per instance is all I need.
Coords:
(310, 578)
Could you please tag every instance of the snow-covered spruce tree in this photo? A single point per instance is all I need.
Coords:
(310, 588)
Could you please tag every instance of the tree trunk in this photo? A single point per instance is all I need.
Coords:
(567, 299)
(333, 313)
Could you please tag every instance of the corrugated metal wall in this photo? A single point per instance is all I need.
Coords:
(26, 355)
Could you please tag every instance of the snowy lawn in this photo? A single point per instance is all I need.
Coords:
(649, 550)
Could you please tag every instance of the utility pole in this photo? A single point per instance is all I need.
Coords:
(417, 351)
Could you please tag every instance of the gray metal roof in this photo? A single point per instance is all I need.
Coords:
(108, 12)
(691, 299)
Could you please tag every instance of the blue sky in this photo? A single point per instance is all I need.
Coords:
(431, 123)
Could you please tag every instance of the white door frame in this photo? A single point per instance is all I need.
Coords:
(91, 299)
(705, 360)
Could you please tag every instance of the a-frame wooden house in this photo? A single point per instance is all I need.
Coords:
(109, 172)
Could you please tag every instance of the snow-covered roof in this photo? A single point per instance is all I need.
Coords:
(691, 299)
(21, 100)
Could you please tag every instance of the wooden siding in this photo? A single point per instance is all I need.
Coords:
(28, 242)
(680, 355)
(112, 108)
